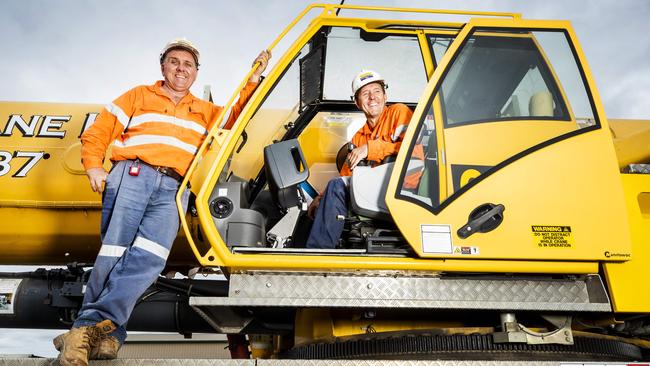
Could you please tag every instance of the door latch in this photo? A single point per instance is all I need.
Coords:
(482, 219)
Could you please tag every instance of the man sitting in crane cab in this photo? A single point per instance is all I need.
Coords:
(380, 136)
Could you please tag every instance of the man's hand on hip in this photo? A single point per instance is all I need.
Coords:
(97, 177)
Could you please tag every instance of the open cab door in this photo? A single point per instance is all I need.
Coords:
(508, 155)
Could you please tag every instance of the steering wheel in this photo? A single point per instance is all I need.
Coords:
(341, 156)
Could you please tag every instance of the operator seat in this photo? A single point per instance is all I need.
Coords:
(368, 188)
(368, 191)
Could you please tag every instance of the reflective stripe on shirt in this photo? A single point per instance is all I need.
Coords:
(399, 130)
(155, 117)
(138, 140)
(118, 113)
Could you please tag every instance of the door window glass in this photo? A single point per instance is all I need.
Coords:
(439, 45)
(498, 77)
(505, 94)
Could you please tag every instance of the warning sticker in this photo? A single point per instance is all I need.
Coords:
(548, 236)
(467, 250)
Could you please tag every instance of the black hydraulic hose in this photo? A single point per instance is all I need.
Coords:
(191, 287)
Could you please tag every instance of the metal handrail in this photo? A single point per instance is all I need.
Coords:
(426, 11)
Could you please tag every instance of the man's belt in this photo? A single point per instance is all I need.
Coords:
(165, 170)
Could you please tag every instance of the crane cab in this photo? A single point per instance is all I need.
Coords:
(508, 156)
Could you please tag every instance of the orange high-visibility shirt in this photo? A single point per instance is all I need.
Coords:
(144, 123)
(386, 137)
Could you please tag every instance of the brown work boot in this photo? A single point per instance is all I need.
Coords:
(107, 346)
(106, 349)
(75, 345)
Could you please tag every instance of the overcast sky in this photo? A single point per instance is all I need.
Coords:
(93, 51)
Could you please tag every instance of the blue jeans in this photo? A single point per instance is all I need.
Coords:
(139, 224)
(327, 230)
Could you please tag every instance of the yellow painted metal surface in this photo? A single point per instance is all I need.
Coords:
(52, 130)
(48, 213)
(543, 188)
(499, 141)
(629, 290)
(631, 140)
(321, 325)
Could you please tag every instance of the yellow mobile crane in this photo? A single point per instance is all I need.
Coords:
(526, 235)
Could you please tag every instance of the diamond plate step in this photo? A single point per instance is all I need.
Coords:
(398, 290)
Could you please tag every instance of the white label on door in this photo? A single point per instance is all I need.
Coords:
(436, 238)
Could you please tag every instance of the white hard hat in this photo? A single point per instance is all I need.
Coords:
(364, 78)
(183, 44)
